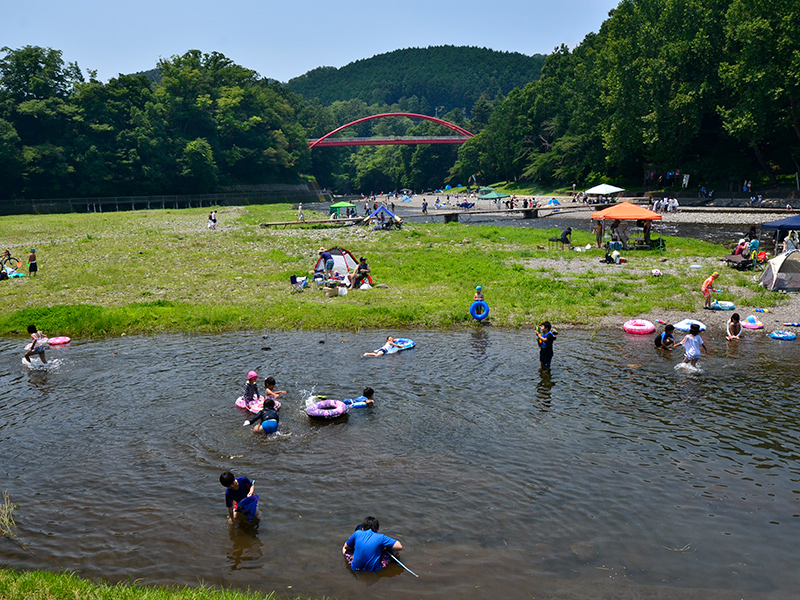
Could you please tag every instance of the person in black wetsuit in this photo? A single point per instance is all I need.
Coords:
(267, 420)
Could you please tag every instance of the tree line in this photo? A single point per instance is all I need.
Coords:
(705, 87)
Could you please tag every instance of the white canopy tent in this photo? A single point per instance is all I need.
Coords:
(603, 189)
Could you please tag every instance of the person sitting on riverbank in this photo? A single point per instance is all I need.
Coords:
(365, 399)
(385, 348)
(267, 420)
(740, 247)
(360, 274)
(666, 341)
(238, 489)
(368, 550)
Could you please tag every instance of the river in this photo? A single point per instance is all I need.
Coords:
(613, 476)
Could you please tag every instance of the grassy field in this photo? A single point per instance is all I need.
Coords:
(162, 270)
(40, 585)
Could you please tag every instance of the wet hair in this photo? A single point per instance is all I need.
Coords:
(370, 523)
(694, 328)
(227, 479)
(368, 392)
(32, 329)
(269, 380)
(669, 328)
(269, 403)
(735, 317)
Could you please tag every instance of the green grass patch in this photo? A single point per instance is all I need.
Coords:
(40, 585)
(163, 271)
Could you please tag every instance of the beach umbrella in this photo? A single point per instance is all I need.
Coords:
(604, 189)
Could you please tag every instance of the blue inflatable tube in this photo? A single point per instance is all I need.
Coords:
(479, 310)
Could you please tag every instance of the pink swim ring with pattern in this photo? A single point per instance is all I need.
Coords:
(639, 326)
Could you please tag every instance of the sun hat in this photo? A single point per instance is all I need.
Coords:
(252, 374)
(715, 274)
(321, 249)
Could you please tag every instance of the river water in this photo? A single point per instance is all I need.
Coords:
(614, 476)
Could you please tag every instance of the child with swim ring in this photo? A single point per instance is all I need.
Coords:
(478, 297)
(365, 399)
(37, 344)
(385, 348)
(250, 394)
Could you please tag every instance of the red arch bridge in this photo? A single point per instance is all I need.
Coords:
(328, 140)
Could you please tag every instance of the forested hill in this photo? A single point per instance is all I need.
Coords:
(439, 76)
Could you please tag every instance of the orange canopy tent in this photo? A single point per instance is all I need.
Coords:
(625, 211)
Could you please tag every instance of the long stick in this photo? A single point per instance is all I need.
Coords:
(402, 565)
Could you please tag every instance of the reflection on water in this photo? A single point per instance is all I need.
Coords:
(612, 475)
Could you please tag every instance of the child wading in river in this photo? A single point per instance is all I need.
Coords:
(37, 344)
(545, 337)
(693, 344)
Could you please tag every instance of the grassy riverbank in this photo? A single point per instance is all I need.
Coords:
(162, 270)
(40, 585)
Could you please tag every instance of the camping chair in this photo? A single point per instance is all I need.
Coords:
(298, 283)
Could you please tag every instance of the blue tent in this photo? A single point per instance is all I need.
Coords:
(553, 202)
(783, 224)
(448, 187)
(381, 209)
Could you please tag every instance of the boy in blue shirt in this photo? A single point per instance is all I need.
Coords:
(545, 337)
(368, 550)
(237, 498)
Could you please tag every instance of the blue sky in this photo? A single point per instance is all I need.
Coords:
(285, 39)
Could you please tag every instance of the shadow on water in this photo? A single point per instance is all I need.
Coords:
(614, 474)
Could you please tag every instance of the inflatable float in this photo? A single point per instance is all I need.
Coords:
(359, 402)
(42, 343)
(53, 341)
(404, 344)
(639, 326)
(255, 406)
(479, 310)
(752, 323)
(722, 305)
(687, 323)
(326, 410)
(791, 324)
(782, 335)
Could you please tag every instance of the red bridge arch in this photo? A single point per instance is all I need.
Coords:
(463, 134)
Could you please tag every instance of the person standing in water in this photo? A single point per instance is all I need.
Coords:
(693, 344)
(37, 344)
(545, 337)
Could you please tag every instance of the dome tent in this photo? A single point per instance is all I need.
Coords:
(782, 273)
